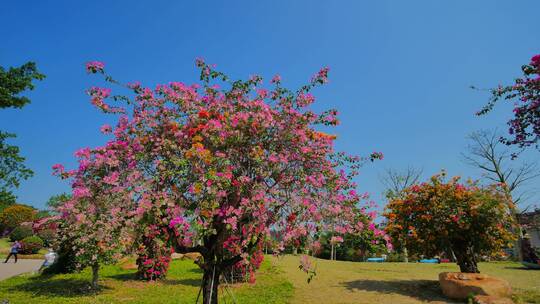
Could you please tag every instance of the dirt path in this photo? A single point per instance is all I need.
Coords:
(11, 269)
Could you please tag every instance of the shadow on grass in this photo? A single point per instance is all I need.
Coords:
(423, 290)
(195, 270)
(124, 277)
(380, 270)
(189, 282)
(130, 276)
(521, 268)
(48, 286)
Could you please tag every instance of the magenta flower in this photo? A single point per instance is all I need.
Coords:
(81, 192)
(535, 61)
(93, 67)
(106, 129)
(276, 79)
(58, 169)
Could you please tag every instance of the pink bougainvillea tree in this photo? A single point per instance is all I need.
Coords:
(524, 127)
(95, 220)
(212, 168)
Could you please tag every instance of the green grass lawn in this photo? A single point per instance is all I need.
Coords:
(278, 281)
(350, 282)
(120, 286)
(5, 247)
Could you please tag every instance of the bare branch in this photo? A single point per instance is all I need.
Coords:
(396, 181)
(487, 153)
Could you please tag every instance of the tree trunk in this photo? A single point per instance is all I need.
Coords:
(452, 255)
(95, 275)
(405, 255)
(332, 253)
(466, 259)
(518, 251)
(211, 284)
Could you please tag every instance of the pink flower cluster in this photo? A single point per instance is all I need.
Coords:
(95, 67)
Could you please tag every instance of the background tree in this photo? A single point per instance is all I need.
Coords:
(524, 127)
(12, 170)
(96, 219)
(58, 200)
(355, 246)
(14, 215)
(486, 152)
(13, 82)
(396, 182)
(440, 216)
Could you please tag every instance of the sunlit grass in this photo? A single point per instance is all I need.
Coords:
(120, 286)
(380, 283)
(278, 281)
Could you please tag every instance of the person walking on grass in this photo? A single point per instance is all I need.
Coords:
(14, 250)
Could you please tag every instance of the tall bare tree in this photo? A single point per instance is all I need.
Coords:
(486, 152)
(395, 182)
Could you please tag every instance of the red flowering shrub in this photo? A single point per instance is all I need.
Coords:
(31, 245)
(439, 216)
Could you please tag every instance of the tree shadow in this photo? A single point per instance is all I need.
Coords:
(190, 282)
(423, 290)
(133, 277)
(130, 276)
(195, 270)
(521, 268)
(48, 286)
(380, 270)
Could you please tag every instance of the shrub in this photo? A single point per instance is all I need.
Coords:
(20, 233)
(31, 244)
(66, 260)
(14, 215)
(443, 217)
(47, 235)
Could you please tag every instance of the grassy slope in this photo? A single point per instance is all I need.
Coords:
(120, 286)
(348, 282)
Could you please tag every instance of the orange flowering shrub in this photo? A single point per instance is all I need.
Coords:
(442, 217)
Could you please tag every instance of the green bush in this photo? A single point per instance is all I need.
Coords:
(20, 233)
(48, 236)
(31, 244)
(65, 261)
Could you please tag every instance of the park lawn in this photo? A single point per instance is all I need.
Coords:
(381, 283)
(5, 247)
(278, 281)
(120, 286)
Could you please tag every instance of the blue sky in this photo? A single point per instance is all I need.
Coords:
(400, 70)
